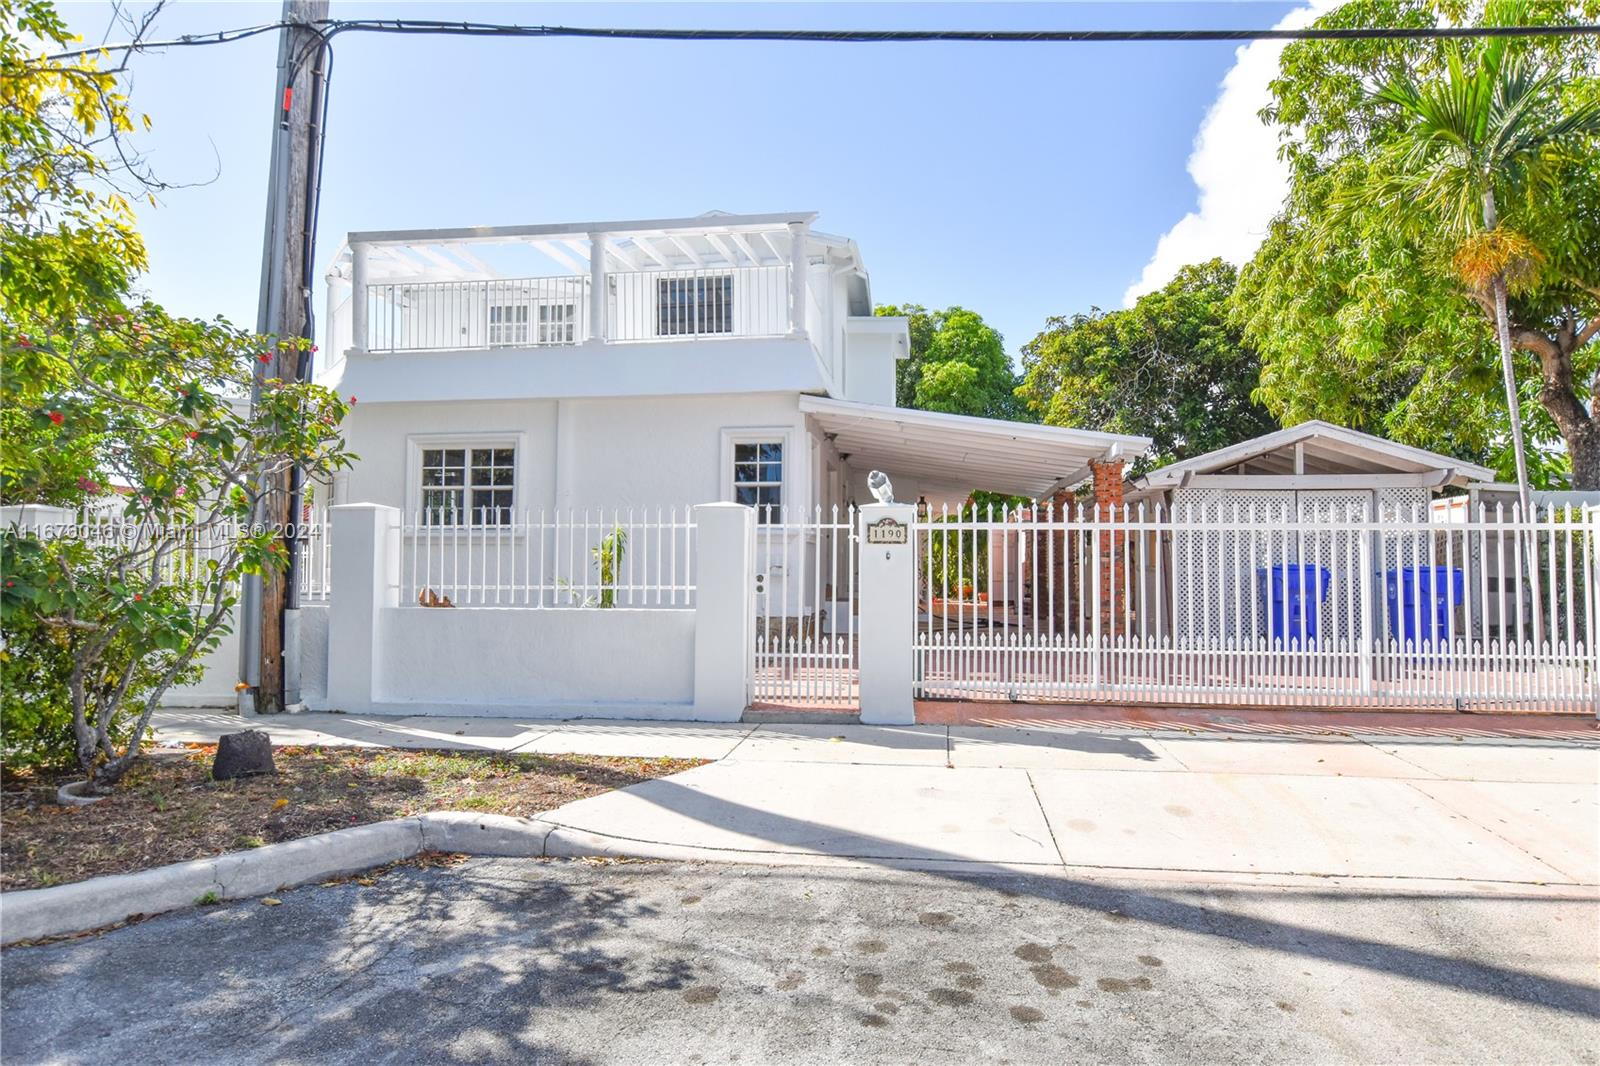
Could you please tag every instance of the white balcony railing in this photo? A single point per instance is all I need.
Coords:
(652, 305)
(667, 305)
(502, 313)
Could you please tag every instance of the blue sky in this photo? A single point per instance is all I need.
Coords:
(1021, 181)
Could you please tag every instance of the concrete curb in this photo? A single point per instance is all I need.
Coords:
(101, 901)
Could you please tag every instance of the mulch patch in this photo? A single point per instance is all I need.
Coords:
(168, 809)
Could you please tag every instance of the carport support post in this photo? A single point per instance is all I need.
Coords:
(887, 614)
(724, 610)
(364, 541)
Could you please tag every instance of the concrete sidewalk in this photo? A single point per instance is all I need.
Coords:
(1396, 805)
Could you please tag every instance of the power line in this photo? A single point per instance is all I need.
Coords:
(332, 27)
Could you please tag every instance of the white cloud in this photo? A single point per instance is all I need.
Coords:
(1235, 165)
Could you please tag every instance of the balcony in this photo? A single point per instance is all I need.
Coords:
(525, 287)
(643, 306)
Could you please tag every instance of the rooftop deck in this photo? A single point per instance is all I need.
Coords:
(643, 281)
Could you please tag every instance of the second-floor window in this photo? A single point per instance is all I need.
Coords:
(508, 324)
(691, 306)
(468, 486)
(557, 324)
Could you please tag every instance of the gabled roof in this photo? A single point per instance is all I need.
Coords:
(1323, 448)
(987, 453)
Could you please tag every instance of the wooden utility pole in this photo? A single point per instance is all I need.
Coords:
(270, 604)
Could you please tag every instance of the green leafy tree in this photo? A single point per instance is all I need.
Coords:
(1478, 138)
(107, 401)
(1373, 299)
(957, 365)
(1171, 367)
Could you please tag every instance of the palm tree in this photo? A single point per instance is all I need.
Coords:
(1471, 135)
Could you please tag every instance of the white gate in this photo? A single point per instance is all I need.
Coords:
(1262, 602)
(805, 625)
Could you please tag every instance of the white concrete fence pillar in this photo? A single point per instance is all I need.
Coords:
(724, 609)
(364, 539)
(887, 614)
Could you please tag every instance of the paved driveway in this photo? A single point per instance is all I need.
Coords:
(583, 962)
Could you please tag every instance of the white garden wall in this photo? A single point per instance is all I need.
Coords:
(584, 660)
(386, 655)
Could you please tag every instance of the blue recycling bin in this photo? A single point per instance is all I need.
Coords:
(1420, 598)
(1290, 596)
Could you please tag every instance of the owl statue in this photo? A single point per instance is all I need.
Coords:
(882, 490)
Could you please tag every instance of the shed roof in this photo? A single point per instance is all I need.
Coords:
(1323, 448)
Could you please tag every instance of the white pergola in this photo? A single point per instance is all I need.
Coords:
(1010, 457)
(715, 240)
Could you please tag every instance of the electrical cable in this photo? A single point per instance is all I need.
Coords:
(332, 27)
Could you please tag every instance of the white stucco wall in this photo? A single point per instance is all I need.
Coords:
(586, 660)
(215, 687)
(605, 452)
(657, 368)
(313, 652)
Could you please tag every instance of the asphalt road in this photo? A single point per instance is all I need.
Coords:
(580, 962)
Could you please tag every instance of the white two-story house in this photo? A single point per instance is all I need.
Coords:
(645, 364)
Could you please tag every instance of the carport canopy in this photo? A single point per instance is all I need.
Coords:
(988, 453)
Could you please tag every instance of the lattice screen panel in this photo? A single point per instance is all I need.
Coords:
(1215, 571)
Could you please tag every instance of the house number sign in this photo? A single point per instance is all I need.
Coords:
(886, 531)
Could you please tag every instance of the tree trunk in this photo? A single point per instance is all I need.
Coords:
(1502, 329)
(1584, 449)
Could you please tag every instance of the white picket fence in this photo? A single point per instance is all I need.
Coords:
(188, 552)
(1201, 606)
(571, 558)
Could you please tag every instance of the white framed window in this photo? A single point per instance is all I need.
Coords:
(558, 324)
(460, 483)
(692, 306)
(508, 325)
(756, 469)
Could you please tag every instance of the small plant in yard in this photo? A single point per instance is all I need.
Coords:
(608, 561)
(209, 899)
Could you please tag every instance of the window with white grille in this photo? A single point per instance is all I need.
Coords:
(758, 477)
(508, 324)
(468, 485)
(557, 324)
(692, 306)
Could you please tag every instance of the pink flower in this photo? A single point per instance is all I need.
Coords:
(352, 399)
(57, 417)
(265, 357)
(88, 486)
(182, 490)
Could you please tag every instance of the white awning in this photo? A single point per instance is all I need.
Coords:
(983, 453)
